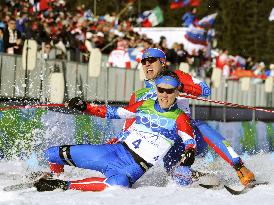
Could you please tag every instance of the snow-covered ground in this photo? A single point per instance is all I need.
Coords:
(154, 187)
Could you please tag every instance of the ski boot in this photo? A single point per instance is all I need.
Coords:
(245, 175)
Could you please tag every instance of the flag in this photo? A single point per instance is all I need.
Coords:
(194, 39)
(271, 16)
(176, 4)
(40, 6)
(43, 5)
(152, 17)
(196, 36)
(240, 61)
(88, 15)
(207, 21)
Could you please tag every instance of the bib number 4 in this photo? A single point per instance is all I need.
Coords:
(136, 143)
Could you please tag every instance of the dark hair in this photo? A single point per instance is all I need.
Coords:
(12, 19)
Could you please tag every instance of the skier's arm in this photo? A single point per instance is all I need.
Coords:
(103, 111)
(127, 123)
(184, 130)
(192, 85)
(186, 133)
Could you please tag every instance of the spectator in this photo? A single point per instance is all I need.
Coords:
(20, 23)
(12, 38)
(172, 57)
(99, 40)
(45, 52)
(249, 63)
(227, 68)
(199, 61)
(146, 43)
(119, 57)
(88, 42)
(270, 72)
(163, 44)
(259, 72)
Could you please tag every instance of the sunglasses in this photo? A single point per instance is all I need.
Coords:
(150, 60)
(166, 90)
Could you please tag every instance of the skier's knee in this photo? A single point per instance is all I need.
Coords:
(52, 155)
(119, 180)
(182, 175)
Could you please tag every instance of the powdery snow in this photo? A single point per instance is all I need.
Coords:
(155, 187)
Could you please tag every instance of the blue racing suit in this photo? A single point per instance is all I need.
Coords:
(150, 137)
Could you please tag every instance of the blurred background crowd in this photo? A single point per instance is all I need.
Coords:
(71, 34)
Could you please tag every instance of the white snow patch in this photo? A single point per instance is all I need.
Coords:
(155, 187)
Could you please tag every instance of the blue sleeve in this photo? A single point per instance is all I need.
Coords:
(206, 91)
(112, 113)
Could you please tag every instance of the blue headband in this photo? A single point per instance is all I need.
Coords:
(167, 80)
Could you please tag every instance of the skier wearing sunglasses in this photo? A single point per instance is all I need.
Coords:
(158, 125)
(154, 62)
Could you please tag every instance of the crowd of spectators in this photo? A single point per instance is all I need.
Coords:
(72, 34)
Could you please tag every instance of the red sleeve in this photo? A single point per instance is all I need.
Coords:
(129, 122)
(96, 110)
(132, 99)
(189, 86)
(184, 125)
(112, 112)
(185, 131)
(133, 107)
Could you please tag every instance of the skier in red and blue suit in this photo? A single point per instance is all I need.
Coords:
(157, 126)
(153, 61)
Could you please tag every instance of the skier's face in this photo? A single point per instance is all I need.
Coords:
(152, 67)
(166, 95)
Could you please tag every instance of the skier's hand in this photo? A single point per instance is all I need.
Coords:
(77, 103)
(188, 157)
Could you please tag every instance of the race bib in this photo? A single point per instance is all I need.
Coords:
(151, 146)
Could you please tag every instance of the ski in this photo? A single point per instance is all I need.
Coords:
(209, 186)
(32, 179)
(21, 186)
(245, 189)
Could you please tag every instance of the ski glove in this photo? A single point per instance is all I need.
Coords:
(50, 184)
(78, 104)
(188, 157)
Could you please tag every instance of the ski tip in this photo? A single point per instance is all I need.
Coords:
(257, 183)
(235, 192)
(245, 189)
(208, 186)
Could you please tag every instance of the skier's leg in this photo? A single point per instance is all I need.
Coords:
(222, 147)
(103, 158)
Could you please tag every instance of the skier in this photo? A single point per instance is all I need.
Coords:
(158, 125)
(153, 61)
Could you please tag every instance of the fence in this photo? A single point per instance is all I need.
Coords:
(113, 84)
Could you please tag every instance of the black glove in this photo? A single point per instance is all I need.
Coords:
(78, 104)
(188, 157)
(50, 184)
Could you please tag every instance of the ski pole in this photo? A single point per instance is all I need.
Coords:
(226, 103)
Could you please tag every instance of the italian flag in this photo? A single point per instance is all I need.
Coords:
(153, 17)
